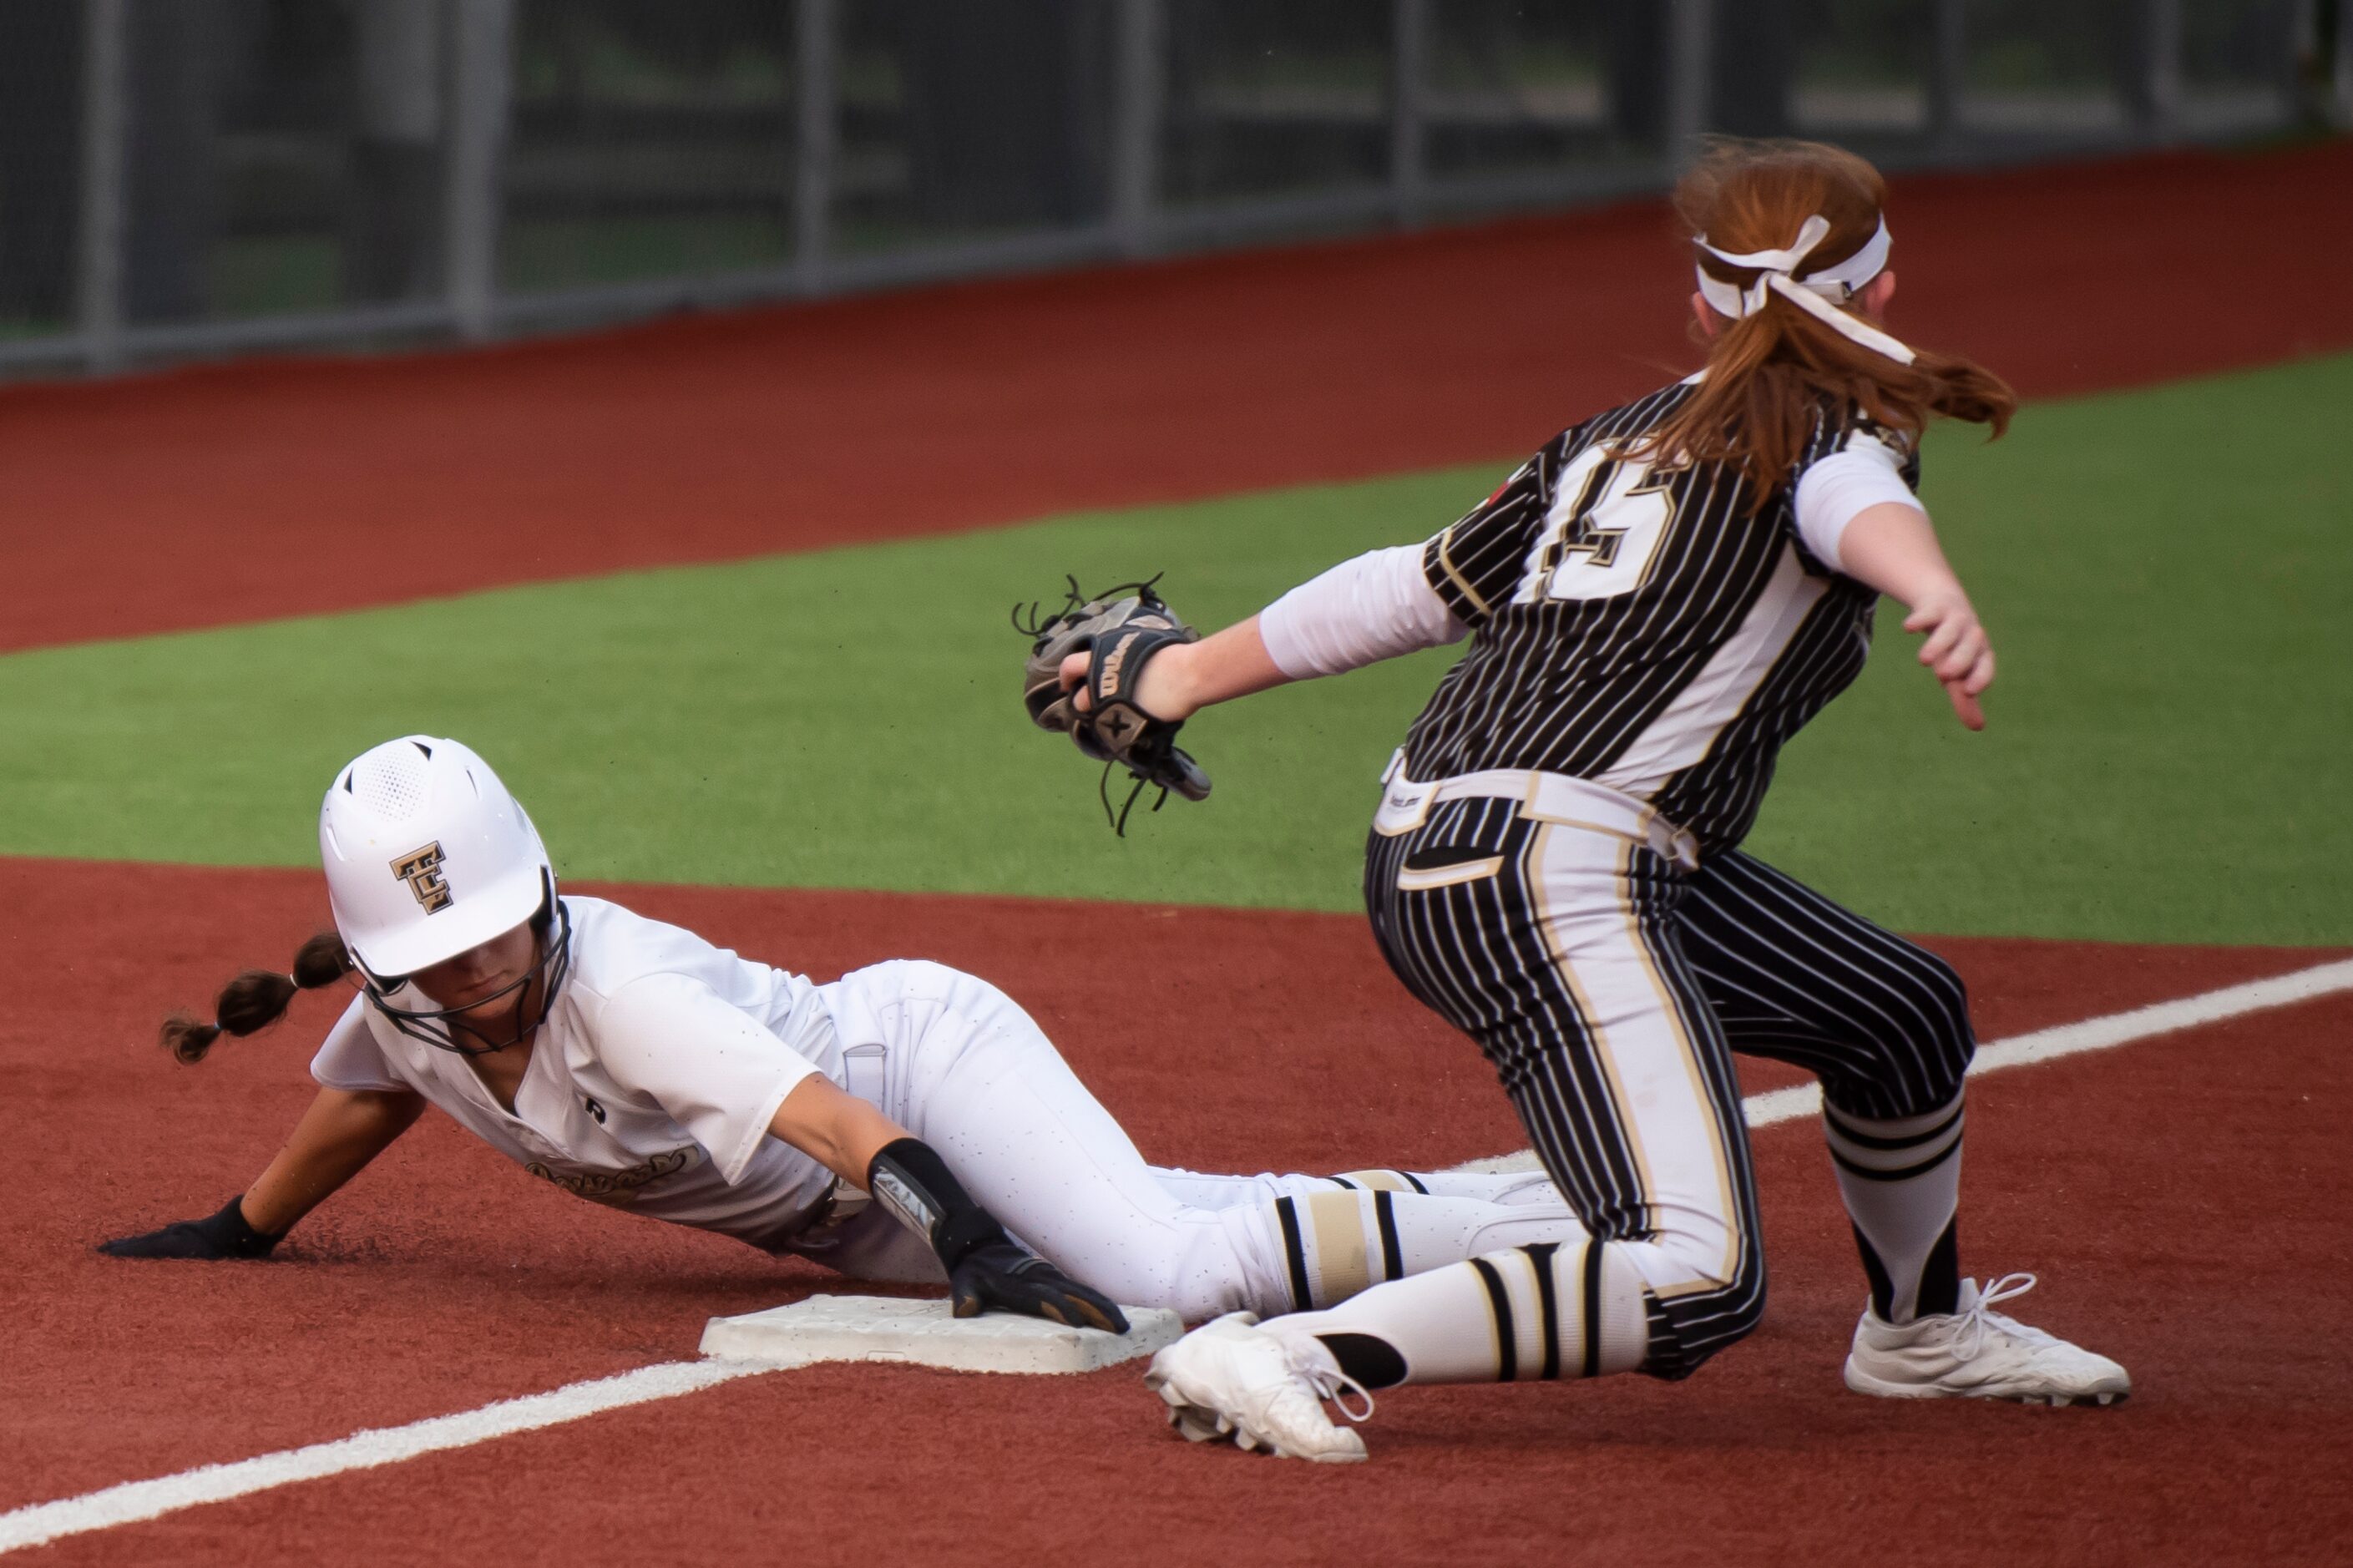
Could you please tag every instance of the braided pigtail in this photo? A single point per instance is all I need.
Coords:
(258, 999)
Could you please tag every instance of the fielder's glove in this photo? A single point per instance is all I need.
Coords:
(1002, 1277)
(224, 1235)
(1119, 634)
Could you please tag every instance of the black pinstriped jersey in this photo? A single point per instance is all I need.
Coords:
(1633, 627)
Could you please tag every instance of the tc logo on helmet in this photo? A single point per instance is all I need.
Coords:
(421, 870)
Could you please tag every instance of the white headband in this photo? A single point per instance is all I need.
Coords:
(1818, 296)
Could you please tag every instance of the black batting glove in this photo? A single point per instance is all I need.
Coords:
(1002, 1277)
(987, 1270)
(224, 1235)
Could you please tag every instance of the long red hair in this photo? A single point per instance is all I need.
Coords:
(1772, 373)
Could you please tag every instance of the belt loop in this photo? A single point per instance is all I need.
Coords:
(865, 1073)
(1672, 843)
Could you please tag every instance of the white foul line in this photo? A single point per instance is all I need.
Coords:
(2045, 1044)
(135, 1501)
(2097, 1033)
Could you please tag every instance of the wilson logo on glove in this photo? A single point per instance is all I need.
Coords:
(1108, 681)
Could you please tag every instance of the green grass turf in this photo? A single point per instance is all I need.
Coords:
(2166, 573)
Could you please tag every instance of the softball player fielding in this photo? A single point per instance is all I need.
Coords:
(634, 1064)
(1656, 602)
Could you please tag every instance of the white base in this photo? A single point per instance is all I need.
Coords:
(924, 1334)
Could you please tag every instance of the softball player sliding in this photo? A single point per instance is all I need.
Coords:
(1656, 601)
(632, 1063)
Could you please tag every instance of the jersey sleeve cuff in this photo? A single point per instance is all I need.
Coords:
(1836, 490)
(734, 1161)
(361, 1086)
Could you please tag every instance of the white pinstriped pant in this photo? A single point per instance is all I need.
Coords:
(1609, 975)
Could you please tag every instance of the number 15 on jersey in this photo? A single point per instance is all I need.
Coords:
(1611, 515)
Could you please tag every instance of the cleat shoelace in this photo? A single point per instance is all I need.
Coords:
(1972, 1336)
(1331, 1383)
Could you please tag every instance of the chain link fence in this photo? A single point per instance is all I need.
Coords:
(184, 177)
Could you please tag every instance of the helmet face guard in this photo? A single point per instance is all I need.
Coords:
(428, 856)
(440, 1026)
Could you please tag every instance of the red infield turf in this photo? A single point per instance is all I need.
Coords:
(231, 494)
(2183, 1198)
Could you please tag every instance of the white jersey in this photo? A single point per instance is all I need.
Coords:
(651, 1083)
(653, 1080)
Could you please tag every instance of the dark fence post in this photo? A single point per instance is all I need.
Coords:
(392, 245)
(1755, 62)
(1409, 87)
(481, 93)
(1948, 64)
(815, 39)
(2152, 67)
(105, 73)
(1139, 77)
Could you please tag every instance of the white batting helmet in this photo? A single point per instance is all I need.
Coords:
(426, 855)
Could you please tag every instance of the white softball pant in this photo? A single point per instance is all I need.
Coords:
(961, 1066)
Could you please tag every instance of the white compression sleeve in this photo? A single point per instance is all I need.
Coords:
(1374, 607)
(1840, 487)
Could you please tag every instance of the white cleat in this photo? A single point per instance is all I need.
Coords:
(1978, 1354)
(1262, 1388)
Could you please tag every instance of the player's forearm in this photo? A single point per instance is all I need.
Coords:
(1893, 548)
(1223, 666)
(839, 1131)
(337, 1136)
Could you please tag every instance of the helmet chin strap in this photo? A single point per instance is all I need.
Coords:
(552, 967)
(458, 1024)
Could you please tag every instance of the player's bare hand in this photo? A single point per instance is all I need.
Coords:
(1957, 651)
(1003, 1277)
(1160, 693)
